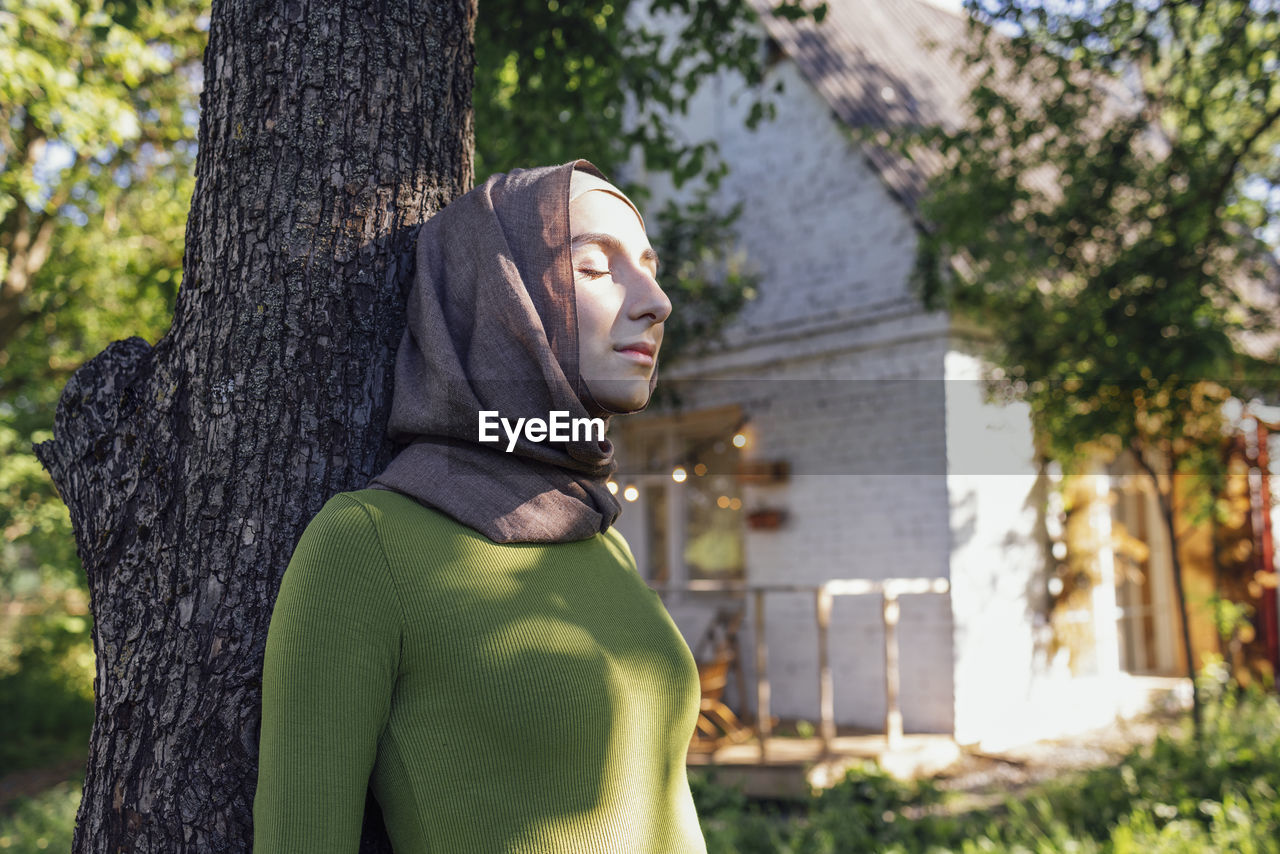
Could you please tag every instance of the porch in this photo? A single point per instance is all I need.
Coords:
(792, 765)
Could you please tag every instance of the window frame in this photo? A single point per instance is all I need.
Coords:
(673, 432)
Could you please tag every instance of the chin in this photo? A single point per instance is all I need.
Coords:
(622, 396)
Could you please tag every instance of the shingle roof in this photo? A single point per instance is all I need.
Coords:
(882, 64)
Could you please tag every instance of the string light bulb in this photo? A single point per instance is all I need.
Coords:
(613, 487)
(739, 440)
(631, 493)
(679, 474)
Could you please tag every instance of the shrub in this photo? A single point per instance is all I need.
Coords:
(1174, 796)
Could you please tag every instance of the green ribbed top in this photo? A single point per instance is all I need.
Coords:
(496, 698)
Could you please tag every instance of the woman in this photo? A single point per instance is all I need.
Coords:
(468, 635)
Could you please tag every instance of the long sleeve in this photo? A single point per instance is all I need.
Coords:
(332, 656)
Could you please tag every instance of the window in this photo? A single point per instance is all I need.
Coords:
(713, 514)
(693, 522)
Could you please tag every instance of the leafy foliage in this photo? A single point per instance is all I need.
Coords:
(45, 822)
(602, 80)
(710, 279)
(1105, 212)
(556, 80)
(97, 154)
(46, 690)
(1177, 795)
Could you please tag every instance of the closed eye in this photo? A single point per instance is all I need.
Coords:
(595, 274)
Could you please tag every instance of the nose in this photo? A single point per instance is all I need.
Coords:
(647, 298)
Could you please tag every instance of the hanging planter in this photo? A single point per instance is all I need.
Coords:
(766, 518)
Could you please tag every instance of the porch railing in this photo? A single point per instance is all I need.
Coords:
(889, 589)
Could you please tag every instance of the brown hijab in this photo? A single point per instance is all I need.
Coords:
(491, 324)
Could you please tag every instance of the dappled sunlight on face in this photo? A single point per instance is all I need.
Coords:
(620, 306)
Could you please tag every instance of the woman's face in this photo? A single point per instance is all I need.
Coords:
(621, 308)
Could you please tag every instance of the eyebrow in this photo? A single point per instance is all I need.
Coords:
(615, 245)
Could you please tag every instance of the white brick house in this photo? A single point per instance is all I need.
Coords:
(896, 465)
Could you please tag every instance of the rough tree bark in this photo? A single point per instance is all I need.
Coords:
(329, 130)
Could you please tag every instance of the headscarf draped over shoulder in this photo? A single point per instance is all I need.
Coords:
(491, 325)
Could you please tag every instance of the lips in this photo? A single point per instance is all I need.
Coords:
(639, 352)
(641, 347)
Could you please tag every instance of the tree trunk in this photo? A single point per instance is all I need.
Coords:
(1165, 500)
(329, 130)
(1170, 526)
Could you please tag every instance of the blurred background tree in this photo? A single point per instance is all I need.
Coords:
(97, 150)
(1111, 214)
(558, 80)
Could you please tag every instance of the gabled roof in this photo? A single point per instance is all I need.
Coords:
(883, 64)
